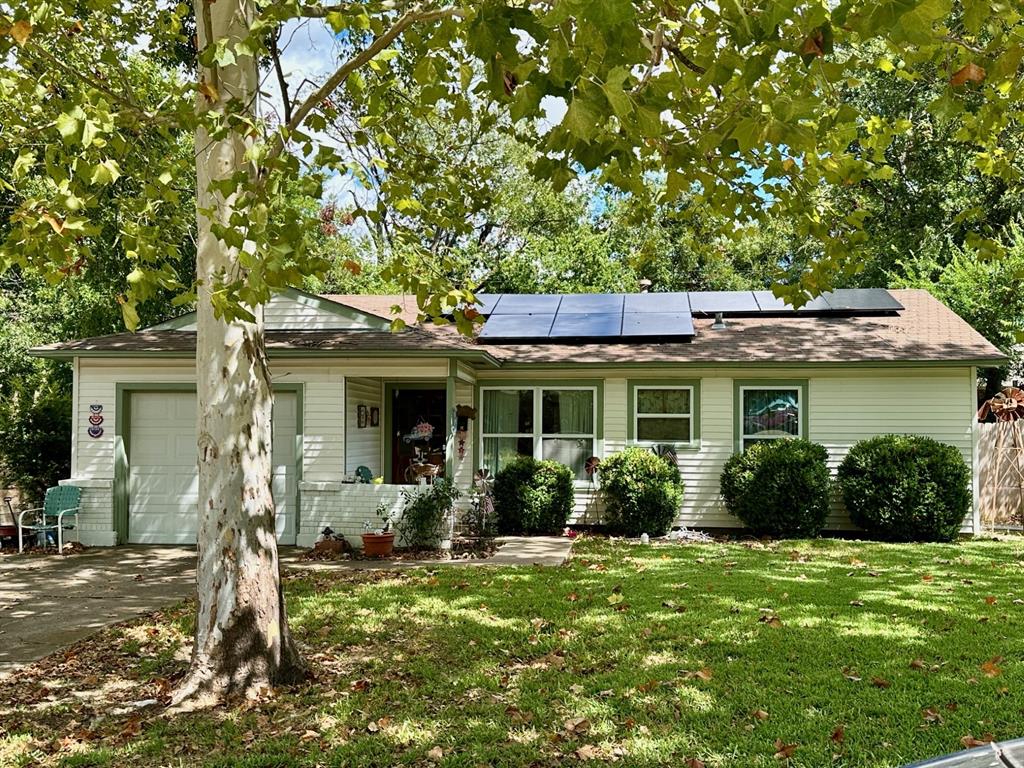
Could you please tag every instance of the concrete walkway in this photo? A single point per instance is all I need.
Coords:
(48, 602)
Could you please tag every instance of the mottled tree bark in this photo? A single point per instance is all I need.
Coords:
(242, 643)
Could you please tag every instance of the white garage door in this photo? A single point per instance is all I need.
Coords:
(162, 478)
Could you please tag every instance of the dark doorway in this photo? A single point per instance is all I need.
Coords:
(418, 433)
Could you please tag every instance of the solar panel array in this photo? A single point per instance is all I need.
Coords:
(653, 316)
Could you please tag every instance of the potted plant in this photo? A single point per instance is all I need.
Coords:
(379, 540)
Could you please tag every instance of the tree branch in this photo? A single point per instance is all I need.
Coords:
(126, 102)
(275, 55)
(415, 16)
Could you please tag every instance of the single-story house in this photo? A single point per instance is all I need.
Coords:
(564, 377)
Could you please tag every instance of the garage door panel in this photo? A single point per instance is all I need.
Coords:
(163, 482)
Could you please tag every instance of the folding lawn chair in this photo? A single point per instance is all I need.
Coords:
(60, 501)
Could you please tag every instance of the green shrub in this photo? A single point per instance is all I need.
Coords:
(425, 513)
(533, 497)
(778, 487)
(36, 449)
(906, 488)
(642, 492)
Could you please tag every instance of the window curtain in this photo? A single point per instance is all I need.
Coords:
(568, 412)
(508, 411)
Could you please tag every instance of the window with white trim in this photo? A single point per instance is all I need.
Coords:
(663, 414)
(770, 413)
(556, 423)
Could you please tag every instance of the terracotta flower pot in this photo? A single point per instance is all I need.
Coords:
(378, 544)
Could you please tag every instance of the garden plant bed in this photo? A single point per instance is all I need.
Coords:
(801, 653)
(462, 549)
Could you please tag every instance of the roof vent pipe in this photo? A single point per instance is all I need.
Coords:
(645, 285)
(719, 324)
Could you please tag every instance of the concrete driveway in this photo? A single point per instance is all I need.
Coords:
(48, 602)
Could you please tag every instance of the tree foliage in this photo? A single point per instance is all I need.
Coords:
(745, 108)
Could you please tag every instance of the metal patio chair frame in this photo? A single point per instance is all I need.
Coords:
(59, 502)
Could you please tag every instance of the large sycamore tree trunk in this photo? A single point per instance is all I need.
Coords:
(242, 643)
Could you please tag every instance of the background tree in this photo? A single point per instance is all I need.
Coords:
(740, 105)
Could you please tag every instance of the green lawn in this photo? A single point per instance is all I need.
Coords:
(836, 653)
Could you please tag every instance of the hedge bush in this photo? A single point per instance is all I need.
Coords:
(778, 487)
(906, 488)
(642, 491)
(533, 497)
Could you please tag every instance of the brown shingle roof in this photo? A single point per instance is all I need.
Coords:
(926, 331)
(410, 341)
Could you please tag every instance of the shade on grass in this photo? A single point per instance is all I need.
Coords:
(835, 653)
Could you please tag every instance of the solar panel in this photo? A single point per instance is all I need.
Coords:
(588, 325)
(709, 302)
(527, 304)
(657, 324)
(862, 300)
(517, 326)
(486, 302)
(657, 302)
(769, 303)
(592, 303)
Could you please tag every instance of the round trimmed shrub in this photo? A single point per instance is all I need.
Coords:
(533, 497)
(906, 488)
(642, 492)
(778, 487)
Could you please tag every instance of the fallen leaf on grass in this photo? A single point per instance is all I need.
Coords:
(588, 752)
(360, 686)
(850, 675)
(931, 715)
(917, 664)
(132, 728)
(771, 620)
(576, 725)
(572, 597)
(615, 598)
(839, 734)
(969, 741)
(516, 715)
(309, 735)
(435, 754)
(759, 714)
(857, 603)
(991, 667)
(991, 600)
(784, 751)
(694, 762)
(880, 682)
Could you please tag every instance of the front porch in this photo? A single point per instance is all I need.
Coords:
(398, 433)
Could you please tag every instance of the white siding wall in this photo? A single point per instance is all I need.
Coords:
(298, 312)
(324, 407)
(845, 405)
(343, 507)
(844, 411)
(363, 446)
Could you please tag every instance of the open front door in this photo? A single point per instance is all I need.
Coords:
(418, 433)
